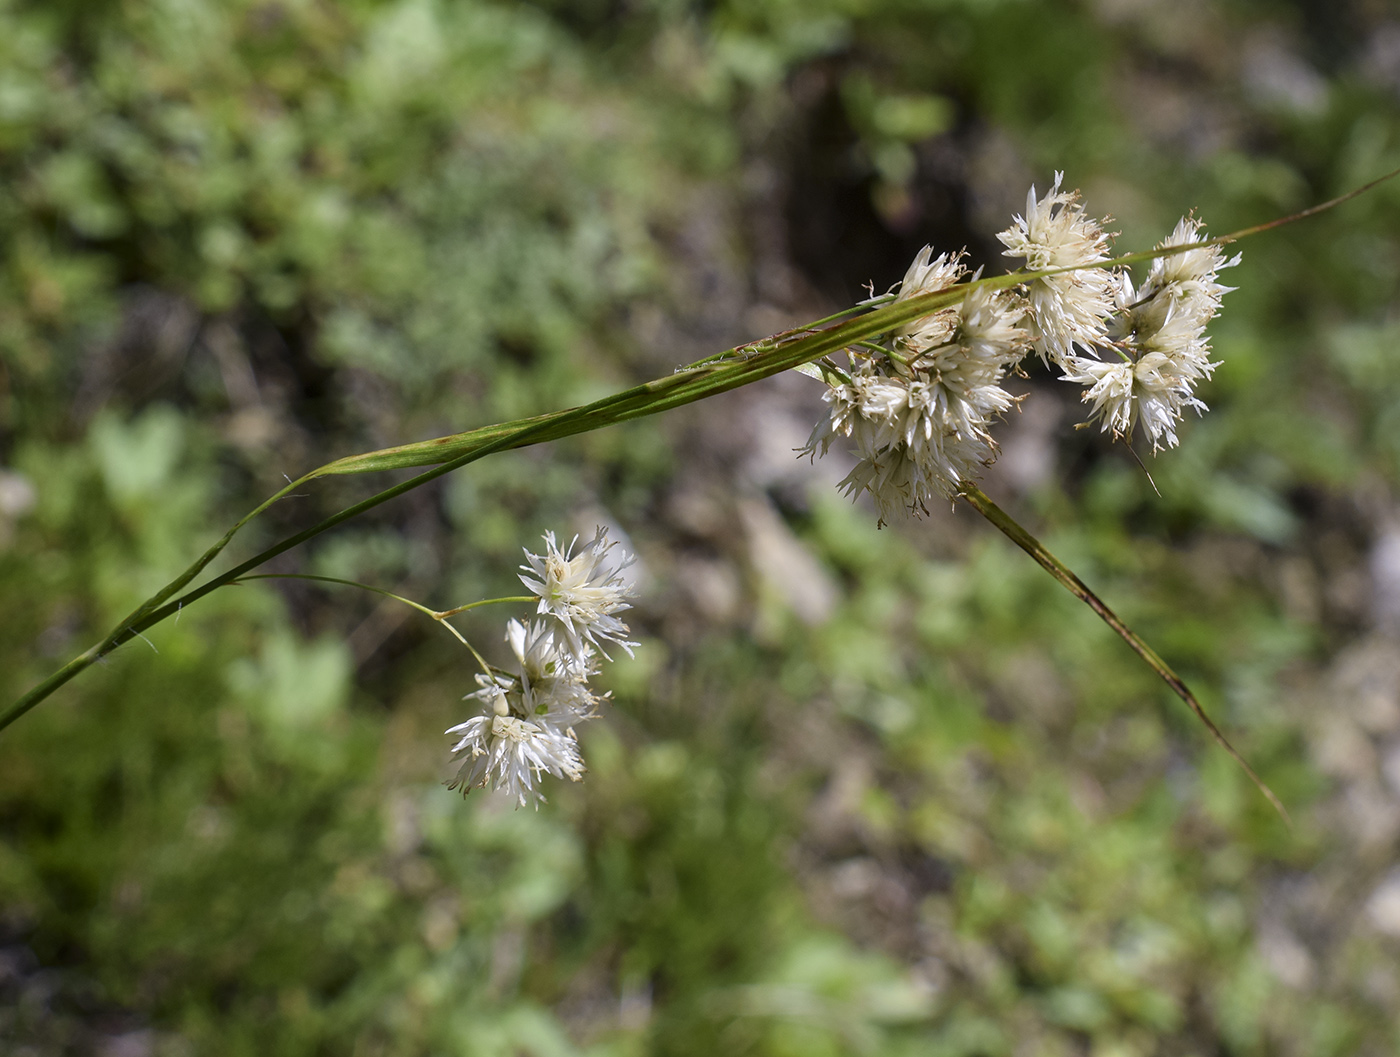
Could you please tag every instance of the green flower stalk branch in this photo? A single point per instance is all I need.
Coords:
(526, 727)
(914, 403)
(441, 616)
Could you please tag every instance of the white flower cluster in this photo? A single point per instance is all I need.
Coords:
(527, 727)
(1160, 331)
(917, 407)
(919, 411)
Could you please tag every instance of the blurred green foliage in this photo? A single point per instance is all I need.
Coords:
(952, 817)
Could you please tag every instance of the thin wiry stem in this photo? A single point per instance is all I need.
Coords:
(438, 615)
(479, 658)
(337, 580)
(443, 614)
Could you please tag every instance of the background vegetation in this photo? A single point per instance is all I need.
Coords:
(860, 792)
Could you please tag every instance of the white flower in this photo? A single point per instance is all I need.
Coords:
(1163, 386)
(529, 715)
(1110, 392)
(919, 421)
(893, 480)
(1181, 295)
(1161, 329)
(917, 405)
(1072, 307)
(511, 754)
(550, 678)
(1190, 274)
(926, 276)
(873, 410)
(529, 712)
(553, 673)
(580, 590)
(920, 430)
(1151, 392)
(988, 329)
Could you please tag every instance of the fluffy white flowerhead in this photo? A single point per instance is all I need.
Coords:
(1109, 393)
(989, 331)
(551, 673)
(1181, 295)
(549, 677)
(1150, 392)
(927, 275)
(1192, 272)
(511, 754)
(1055, 233)
(529, 715)
(582, 590)
(920, 423)
(917, 404)
(530, 709)
(1159, 329)
(1164, 386)
(893, 479)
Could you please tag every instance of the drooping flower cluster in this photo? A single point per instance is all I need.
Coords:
(918, 412)
(526, 729)
(1160, 330)
(917, 407)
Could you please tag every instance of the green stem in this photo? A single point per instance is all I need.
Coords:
(769, 343)
(485, 602)
(1061, 572)
(1242, 233)
(889, 353)
(662, 394)
(830, 369)
(439, 615)
(337, 580)
(210, 554)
